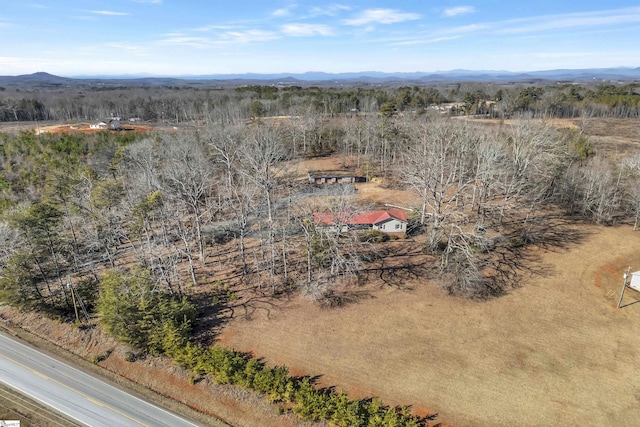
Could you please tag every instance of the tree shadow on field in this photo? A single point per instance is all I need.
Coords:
(248, 307)
(212, 316)
(338, 298)
(216, 311)
(512, 258)
(397, 265)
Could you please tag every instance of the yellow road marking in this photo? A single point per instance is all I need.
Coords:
(40, 375)
(92, 400)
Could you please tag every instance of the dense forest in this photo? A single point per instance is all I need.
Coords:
(211, 103)
(126, 227)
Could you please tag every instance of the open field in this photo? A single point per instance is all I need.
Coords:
(614, 138)
(555, 351)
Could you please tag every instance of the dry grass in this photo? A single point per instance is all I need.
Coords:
(317, 163)
(614, 138)
(16, 406)
(611, 137)
(378, 195)
(557, 123)
(555, 351)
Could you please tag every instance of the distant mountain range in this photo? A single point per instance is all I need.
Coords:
(373, 77)
(452, 75)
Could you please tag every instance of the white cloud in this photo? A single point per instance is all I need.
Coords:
(184, 40)
(382, 16)
(424, 41)
(329, 10)
(431, 36)
(249, 36)
(109, 13)
(471, 28)
(303, 30)
(460, 10)
(12, 60)
(222, 39)
(83, 17)
(535, 26)
(215, 27)
(281, 12)
(571, 20)
(174, 34)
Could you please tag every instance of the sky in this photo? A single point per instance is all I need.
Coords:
(200, 37)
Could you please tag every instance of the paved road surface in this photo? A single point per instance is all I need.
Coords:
(75, 393)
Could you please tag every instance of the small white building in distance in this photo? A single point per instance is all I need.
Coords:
(111, 124)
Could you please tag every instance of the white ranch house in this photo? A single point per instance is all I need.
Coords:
(393, 221)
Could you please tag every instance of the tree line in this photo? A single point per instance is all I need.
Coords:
(205, 104)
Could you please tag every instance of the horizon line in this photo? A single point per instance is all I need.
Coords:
(292, 74)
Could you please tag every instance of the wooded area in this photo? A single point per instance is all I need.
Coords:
(205, 104)
(128, 225)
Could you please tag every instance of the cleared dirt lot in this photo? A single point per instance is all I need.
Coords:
(555, 351)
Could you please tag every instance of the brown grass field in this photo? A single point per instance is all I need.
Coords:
(555, 351)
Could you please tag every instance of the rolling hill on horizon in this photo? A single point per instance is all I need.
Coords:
(618, 73)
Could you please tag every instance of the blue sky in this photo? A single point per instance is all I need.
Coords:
(191, 37)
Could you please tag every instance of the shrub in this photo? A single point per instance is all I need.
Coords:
(227, 366)
(373, 236)
(134, 312)
(516, 242)
(101, 357)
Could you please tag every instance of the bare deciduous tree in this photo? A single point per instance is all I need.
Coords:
(334, 251)
(188, 175)
(261, 163)
(534, 160)
(594, 189)
(631, 166)
(439, 166)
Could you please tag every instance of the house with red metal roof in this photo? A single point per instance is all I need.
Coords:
(388, 221)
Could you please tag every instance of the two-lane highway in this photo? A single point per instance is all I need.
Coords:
(74, 393)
